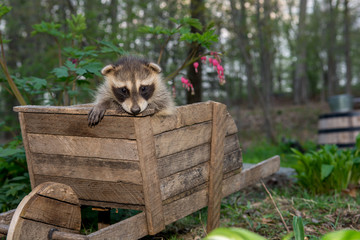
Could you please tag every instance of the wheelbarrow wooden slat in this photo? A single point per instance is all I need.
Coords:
(168, 167)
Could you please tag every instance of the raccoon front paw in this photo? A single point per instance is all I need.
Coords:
(95, 115)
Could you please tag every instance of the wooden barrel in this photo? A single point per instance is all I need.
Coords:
(339, 128)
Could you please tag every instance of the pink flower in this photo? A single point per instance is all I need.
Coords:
(196, 65)
(215, 63)
(203, 59)
(210, 60)
(184, 81)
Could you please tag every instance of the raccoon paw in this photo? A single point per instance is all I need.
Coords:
(95, 115)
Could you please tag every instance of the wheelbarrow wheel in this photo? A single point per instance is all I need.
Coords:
(47, 208)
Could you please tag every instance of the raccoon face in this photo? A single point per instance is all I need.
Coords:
(133, 83)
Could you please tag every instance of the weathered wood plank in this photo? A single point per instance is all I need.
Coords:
(185, 206)
(250, 176)
(129, 229)
(232, 161)
(53, 212)
(181, 139)
(183, 181)
(58, 235)
(31, 230)
(232, 166)
(189, 204)
(36, 215)
(59, 192)
(5, 217)
(3, 230)
(83, 146)
(103, 204)
(231, 127)
(185, 116)
(27, 148)
(216, 165)
(180, 161)
(231, 143)
(87, 168)
(99, 190)
(189, 158)
(82, 109)
(77, 125)
(148, 167)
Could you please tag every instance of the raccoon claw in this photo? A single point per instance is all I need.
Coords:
(95, 115)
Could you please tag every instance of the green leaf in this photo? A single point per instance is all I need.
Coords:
(4, 10)
(5, 152)
(357, 144)
(233, 234)
(80, 71)
(298, 226)
(60, 72)
(93, 68)
(326, 170)
(38, 83)
(342, 235)
(71, 66)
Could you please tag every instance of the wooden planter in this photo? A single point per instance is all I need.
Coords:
(168, 167)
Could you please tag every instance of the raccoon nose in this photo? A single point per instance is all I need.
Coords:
(135, 110)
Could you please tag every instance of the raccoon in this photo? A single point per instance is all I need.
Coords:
(132, 85)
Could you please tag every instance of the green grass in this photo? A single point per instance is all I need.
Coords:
(264, 150)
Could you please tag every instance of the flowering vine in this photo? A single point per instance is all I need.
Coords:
(215, 62)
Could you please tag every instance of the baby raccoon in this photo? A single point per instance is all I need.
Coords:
(132, 85)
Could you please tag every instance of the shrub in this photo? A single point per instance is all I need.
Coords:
(328, 168)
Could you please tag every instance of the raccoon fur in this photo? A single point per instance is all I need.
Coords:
(132, 85)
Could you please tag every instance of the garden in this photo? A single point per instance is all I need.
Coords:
(208, 50)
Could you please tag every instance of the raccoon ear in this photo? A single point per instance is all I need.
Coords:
(107, 69)
(155, 67)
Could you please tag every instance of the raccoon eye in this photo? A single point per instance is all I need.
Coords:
(123, 90)
(143, 88)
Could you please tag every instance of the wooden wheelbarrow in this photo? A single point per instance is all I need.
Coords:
(167, 167)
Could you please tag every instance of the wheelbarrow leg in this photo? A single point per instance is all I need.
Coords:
(216, 165)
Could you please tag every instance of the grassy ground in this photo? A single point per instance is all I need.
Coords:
(253, 209)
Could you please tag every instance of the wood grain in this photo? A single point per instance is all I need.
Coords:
(180, 161)
(184, 206)
(184, 181)
(53, 212)
(185, 116)
(129, 229)
(216, 165)
(36, 214)
(87, 168)
(82, 109)
(27, 148)
(77, 125)
(148, 166)
(5, 217)
(183, 138)
(99, 190)
(83, 146)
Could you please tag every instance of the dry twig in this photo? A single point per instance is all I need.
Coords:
(277, 209)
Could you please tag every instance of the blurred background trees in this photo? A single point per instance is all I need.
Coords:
(272, 50)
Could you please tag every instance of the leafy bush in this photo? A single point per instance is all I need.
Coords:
(329, 168)
(14, 177)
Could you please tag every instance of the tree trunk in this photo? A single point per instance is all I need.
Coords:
(347, 47)
(300, 89)
(263, 26)
(241, 31)
(197, 8)
(331, 44)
